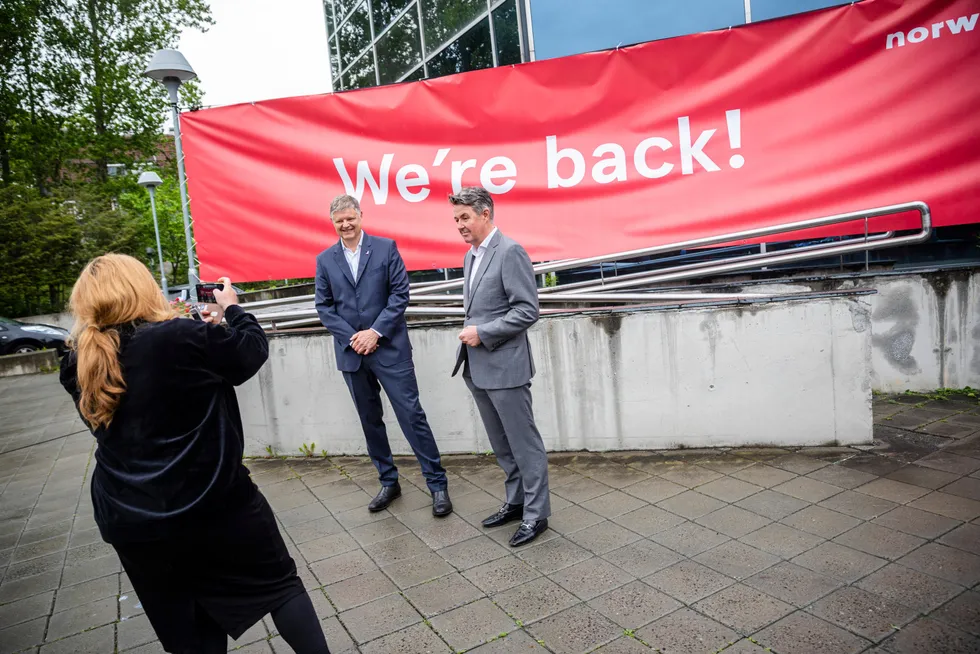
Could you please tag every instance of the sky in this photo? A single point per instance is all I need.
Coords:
(259, 50)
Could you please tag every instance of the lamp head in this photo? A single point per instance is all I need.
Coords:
(169, 63)
(149, 180)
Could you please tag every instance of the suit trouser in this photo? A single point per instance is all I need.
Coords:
(509, 421)
(402, 389)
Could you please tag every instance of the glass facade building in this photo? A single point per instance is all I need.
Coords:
(376, 42)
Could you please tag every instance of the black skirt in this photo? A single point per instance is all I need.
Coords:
(233, 566)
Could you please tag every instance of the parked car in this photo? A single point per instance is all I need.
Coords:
(18, 337)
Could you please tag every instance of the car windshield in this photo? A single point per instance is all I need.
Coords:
(8, 321)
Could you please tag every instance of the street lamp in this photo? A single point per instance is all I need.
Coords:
(150, 181)
(171, 69)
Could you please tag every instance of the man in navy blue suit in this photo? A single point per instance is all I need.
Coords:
(361, 296)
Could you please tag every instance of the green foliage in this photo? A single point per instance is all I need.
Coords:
(965, 394)
(136, 201)
(38, 251)
(308, 450)
(73, 101)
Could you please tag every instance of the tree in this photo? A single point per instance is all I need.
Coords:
(72, 101)
(39, 239)
(33, 136)
(109, 43)
(170, 218)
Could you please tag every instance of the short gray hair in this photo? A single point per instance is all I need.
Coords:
(342, 202)
(476, 198)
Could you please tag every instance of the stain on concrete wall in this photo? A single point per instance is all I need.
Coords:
(899, 312)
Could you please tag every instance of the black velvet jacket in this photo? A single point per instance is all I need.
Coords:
(173, 452)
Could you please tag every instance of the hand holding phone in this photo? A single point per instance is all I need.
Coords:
(225, 296)
(205, 292)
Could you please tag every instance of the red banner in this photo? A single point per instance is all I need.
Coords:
(844, 109)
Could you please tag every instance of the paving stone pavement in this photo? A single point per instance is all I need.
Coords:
(807, 550)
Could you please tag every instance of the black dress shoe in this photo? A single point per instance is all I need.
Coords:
(506, 513)
(441, 504)
(385, 497)
(527, 532)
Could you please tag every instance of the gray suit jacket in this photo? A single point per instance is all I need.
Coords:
(503, 304)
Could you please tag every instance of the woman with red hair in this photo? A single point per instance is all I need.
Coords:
(197, 538)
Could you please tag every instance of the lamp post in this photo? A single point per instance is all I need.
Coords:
(150, 181)
(171, 69)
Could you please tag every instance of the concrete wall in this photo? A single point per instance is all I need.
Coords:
(31, 363)
(783, 373)
(926, 327)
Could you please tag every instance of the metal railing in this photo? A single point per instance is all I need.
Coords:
(735, 264)
(604, 291)
(784, 228)
(698, 269)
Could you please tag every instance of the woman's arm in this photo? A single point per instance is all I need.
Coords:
(237, 350)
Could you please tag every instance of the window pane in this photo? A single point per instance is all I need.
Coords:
(355, 35)
(343, 7)
(506, 33)
(471, 51)
(443, 19)
(764, 9)
(566, 27)
(385, 12)
(361, 74)
(400, 49)
(416, 76)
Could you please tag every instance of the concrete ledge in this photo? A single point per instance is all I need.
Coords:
(784, 373)
(31, 363)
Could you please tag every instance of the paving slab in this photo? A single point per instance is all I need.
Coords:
(927, 635)
(866, 614)
(473, 624)
(801, 632)
(535, 600)
(685, 630)
(743, 608)
(576, 630)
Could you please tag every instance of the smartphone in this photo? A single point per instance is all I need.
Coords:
(196, 313)
(205, 292)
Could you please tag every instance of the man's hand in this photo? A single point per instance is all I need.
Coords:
(470, 336)
(364, 342)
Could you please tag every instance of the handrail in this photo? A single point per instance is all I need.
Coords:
(605, 297)
(761, 258)
(864, 245)
(590, 298)
(796, 226)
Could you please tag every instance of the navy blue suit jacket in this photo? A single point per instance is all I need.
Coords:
(377, 300)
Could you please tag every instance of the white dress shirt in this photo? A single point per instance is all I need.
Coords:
(478, 253)
(354, 256)
(353, 261)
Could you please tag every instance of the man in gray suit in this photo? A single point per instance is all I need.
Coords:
(501, 303)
